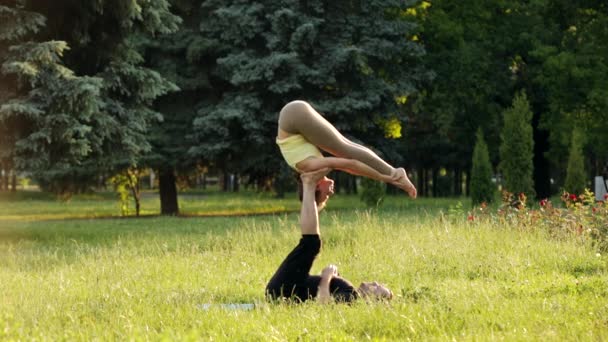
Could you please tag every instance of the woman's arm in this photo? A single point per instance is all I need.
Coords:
(351, 166)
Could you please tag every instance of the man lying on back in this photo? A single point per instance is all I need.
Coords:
(293, 280)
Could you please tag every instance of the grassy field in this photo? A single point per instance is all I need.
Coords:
(67, 277)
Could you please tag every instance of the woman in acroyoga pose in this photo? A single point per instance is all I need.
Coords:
(302, 132)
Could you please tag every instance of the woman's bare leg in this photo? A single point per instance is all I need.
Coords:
(298, 117)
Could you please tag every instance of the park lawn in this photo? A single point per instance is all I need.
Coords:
(42, 206)
(34, 206)
(146, 278)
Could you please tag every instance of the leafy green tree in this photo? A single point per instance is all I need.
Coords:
(482, 188)
(372, 192)
(516, 149)
(574, 78)
(351, 60)
(47, 111)
(11, 34)
(466, 50)
(185, 58)
(576, 178)
(69, 128)
(524, 28)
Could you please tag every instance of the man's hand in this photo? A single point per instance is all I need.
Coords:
(397, 174)
(323, 294)
(314, 176)
(329, 272)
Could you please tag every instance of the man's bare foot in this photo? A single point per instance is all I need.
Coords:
(314, 176)
(404, 183)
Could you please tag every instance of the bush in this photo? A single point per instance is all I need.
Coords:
(580, 216)
(575, 177)
(517, 147)
(372, 192)
(482, 188)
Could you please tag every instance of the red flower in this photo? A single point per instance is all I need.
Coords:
(605, 197)
(471, 218)
(543, 202)
(572, 197)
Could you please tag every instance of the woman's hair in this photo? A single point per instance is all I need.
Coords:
(364, 291)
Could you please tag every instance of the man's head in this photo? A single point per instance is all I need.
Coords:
(324, 190)
(374, 290)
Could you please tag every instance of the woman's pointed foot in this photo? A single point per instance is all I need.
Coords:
(404, 183)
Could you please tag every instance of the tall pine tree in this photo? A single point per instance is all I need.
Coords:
(81, 126)
(576, 178)
(469, 90)
(482, 188)
(46, 110)
(351, 60)
(517, 147)
(186, 58)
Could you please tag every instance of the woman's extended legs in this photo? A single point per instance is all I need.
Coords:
(298, 117)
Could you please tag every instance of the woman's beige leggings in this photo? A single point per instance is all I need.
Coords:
(298, 117)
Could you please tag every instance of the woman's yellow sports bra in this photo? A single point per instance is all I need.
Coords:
(296, 148)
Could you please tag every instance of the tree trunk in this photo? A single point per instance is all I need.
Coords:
(134, 184)
(226, 182)
(236, 183)
(434, 175)
(152, 180)
(137, 203)
(14, 181)
(468, 183)
(168, 192)
(457, 182)
(420, 182)
(3, 179)
(541, 173)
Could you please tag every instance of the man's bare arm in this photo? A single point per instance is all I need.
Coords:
(323, 293)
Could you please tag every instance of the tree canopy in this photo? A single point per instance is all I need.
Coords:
(350, 60)
(82, 97)
(89, 89)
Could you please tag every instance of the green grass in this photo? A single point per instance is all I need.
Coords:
(33, 206)
(142, 278)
